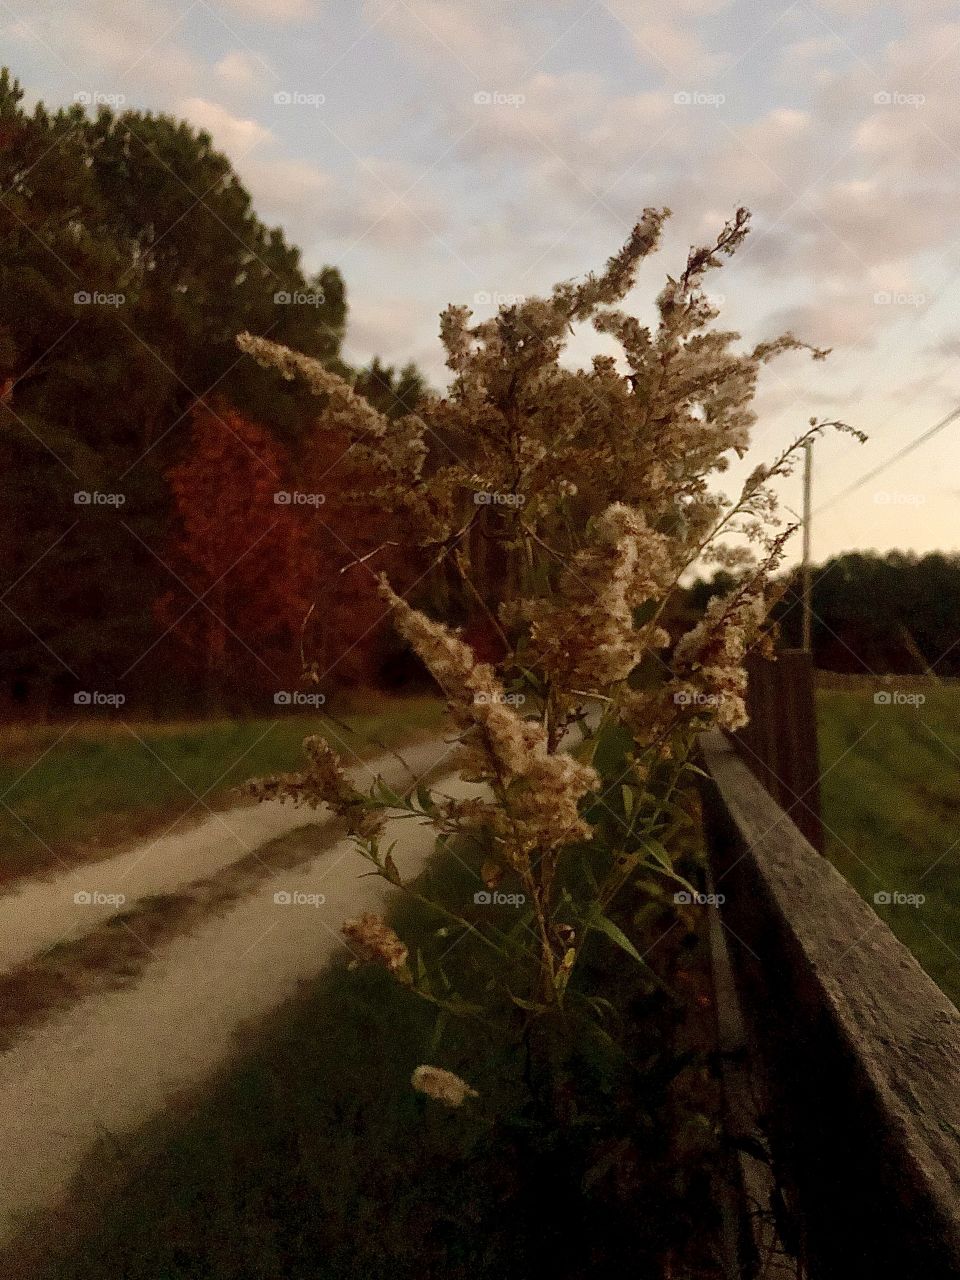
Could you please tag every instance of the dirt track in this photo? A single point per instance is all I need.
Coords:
(110, 1061)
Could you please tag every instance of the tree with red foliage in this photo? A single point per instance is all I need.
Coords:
(350, 638)
(246, 566)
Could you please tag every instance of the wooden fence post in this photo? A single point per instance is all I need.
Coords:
(780, 742)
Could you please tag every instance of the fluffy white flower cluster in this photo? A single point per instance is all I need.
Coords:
(709, 658)
(539, 792)
(442, 1085)
(587, 637)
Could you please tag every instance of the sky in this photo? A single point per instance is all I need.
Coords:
(470, 151)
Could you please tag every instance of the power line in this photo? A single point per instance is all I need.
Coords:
(883, 466)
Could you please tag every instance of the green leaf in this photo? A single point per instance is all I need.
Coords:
(587, 870)
(421, 976)
(524, 920)
(463, 1007)
(614, 745)
(386, 795)
(659, 853)
(532, 679)
(438, 1029)
(597, 920)
(532, 1006)
(662, 862)
(628, 799)
(606, 1162)
(601, 1006)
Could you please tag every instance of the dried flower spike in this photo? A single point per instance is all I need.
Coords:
(373, 938)
(442, 1085)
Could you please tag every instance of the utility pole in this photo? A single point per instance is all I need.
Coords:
(807, 515)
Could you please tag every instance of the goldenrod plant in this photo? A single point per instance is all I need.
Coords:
(597, 490)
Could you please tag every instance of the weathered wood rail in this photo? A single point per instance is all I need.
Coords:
(854, 1051)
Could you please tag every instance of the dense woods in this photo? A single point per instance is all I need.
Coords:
(145, 530)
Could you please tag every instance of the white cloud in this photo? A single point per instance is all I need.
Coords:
(385, 205)
(570, 134)
(850, 196)
(241, 70)
(232, 134)
(673, 47)
(380, 201)
(453, 39)
(813, 49)
(703, 8)
(116, 48)
(383, 325)
(947, 347)
(271, 10)
(294, 193)
(679, 51)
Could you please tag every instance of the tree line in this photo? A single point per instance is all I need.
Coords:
(897, 613)
(174, 528)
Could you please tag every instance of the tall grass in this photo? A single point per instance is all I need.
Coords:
(891, 804)
(69, 790)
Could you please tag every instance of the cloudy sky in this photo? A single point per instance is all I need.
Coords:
(457, 150)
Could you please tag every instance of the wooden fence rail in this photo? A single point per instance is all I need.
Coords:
(855, 1049)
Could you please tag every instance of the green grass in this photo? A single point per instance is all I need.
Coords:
(311, 1156)
(69, 790)
(891, 802)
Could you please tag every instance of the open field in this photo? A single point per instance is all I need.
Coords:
(74, 791)
(891, 804)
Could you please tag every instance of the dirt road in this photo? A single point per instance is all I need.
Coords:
(109, 1062)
